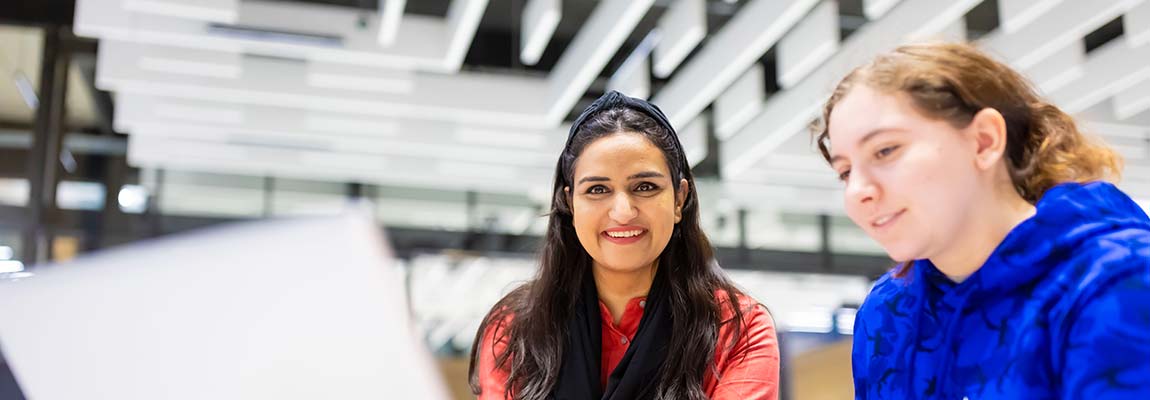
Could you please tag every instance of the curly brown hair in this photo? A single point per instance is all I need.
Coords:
(953, 81)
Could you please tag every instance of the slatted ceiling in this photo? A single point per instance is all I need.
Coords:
(1066, 23)
(808, 44)
(1108, 70)
(448, 105)
(1137, 24)
(876, 9)
(740, 43)
(1058, 69)
(225, 11)
(1015, 14)
(1132, 100)
(982, 19)
(681, 28)
(740, 102)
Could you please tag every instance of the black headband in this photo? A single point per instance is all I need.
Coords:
(612, 100)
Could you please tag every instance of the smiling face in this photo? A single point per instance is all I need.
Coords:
(910, 181)
(624, 205)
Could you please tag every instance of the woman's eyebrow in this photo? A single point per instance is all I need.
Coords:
(594, 179)
(641, 175)
(647, 174)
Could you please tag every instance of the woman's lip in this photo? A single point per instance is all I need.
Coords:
(625, 228)
(624, 240)
(887, 219)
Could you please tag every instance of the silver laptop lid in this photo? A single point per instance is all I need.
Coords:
(288, 309)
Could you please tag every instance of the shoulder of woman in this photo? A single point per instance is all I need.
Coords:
(889, 293)
(1108, 277)
(502, 313)
(498, 320)
(754, 312)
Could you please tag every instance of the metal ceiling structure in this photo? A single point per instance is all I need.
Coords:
(433, 103)
(249, 87)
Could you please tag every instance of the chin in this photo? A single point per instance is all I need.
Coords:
(623, 265)
(902, 253)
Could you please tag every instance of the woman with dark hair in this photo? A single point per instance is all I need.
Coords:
(1024, 275)
(628, 302)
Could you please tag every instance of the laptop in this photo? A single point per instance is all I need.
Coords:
(307, 308)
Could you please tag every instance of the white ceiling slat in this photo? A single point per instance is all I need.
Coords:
(810, 43)
(1015, 14)
(390, 16)
(876, 9)
(1137, 24)
(681, 28)
(955, 32)
(147, 151)
(693, 137)
(359, 78)
(463, 18)
(149, 115)
(1132, 100)
(461, 151)
(740, 102)
(1058, 69)
(633, 77)
(223, 11)
(540, 18)
(145, 112)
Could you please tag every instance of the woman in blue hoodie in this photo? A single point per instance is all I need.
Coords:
(1023, 275)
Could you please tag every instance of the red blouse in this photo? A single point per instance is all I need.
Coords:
(749, 370)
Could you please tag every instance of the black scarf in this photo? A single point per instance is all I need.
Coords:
(637, 375)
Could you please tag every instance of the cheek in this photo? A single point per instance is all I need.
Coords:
(922, 171)
(940, 178)
(585, 217)
(661, 214)
(854, 212)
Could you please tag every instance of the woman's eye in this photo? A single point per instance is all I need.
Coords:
(646, 187)
(597, 189)
(844, 175)
(885, 151)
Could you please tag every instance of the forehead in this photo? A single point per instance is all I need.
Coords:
(619, 154)
(864, 110)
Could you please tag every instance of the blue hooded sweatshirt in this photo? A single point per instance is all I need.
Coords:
(1060, 310)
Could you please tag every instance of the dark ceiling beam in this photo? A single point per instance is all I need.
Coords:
(43, 167)
(38, 12)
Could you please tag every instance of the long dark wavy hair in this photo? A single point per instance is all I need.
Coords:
(532, 318)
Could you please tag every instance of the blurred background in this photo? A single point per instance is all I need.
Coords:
(123, 120)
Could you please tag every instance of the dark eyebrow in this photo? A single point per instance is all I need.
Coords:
(868, 136)
(594, 179)
(641, 175)
(647, 174)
